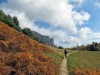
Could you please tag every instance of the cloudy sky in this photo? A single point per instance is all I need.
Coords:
(67, 21)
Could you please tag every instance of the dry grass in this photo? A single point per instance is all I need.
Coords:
(57, 55)
(87, 71)
(26, 63)
(18, 41)
(20, 55)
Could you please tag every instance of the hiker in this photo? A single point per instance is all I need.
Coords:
(65, 53)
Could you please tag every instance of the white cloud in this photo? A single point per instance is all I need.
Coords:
(97, 4)
(56, 12)
(77, 3)
(79, 19)
(95, 35)
(84, 33)
(59, 13)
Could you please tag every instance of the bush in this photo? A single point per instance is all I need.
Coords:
(60, 47)
(10, 21)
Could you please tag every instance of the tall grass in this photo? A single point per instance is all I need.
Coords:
(57, 55)
(82, 60)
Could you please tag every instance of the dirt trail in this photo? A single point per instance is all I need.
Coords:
(63, 66)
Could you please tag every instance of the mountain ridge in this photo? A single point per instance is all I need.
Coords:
(44, 39)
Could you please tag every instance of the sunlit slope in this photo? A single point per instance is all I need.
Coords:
(21, 55)
(20, 41)
(84, 62)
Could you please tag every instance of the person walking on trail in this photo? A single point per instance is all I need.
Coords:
(65, 53)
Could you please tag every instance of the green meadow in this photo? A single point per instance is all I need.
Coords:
(84, 59)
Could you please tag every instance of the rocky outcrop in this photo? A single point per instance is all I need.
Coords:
(44, 39)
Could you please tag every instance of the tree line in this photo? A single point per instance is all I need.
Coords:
(89, 47)
(14, 23)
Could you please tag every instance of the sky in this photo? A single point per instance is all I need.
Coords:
(69, 22)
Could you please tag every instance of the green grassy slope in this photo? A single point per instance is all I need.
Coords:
(57, 55)
(84, 59)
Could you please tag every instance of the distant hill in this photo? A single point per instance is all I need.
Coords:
(21, 55)
(44, 39)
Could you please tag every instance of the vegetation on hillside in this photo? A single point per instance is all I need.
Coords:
(10, 21)
(20, 55)
(27, 31)
(60, 47)
(14, 23)
(89, 47)
(57, 55)
(84, 63)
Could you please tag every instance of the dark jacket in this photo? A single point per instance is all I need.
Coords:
(65, 51)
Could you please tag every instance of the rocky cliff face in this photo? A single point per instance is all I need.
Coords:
(45, 39)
